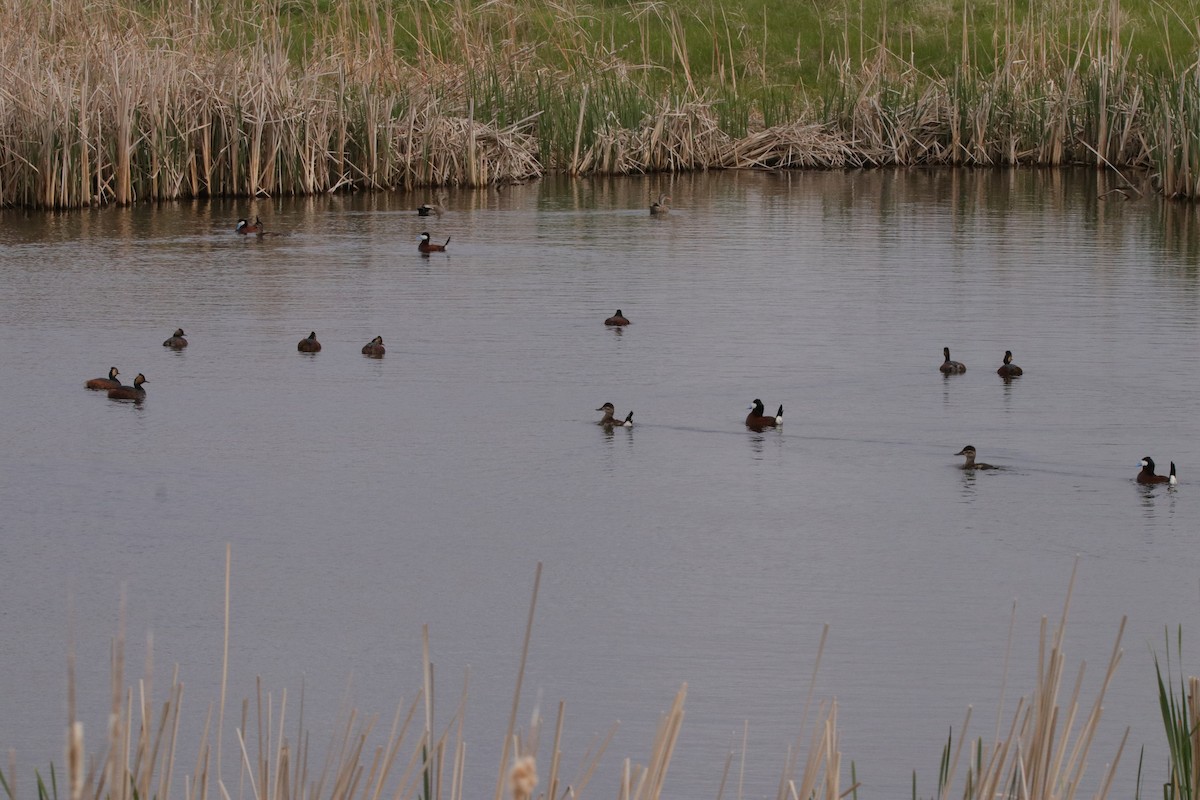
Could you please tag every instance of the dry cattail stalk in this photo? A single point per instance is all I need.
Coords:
(523, 778)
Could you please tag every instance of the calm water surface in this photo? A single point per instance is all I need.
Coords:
(365, 498)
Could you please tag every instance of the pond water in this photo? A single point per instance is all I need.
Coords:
(365, 498)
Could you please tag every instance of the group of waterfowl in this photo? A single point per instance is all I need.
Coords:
(137, 392)
(757, 420)
(658, 208)
(1009, 370)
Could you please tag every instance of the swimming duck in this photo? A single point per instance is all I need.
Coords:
(617, 319)
(245, 228)
(110, 382)
(430, 209)
(374, 348)
(951, 367)
(610, 420)
(176, 342)
(971, 463)
(659, 207)
(135, 392)
(427, 246)
(1009, 369)
(309, 344)
(756, 421)
(1147, 474)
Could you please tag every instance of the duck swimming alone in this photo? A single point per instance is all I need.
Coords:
(971, 463)
(756, 421)
(1147, 474)
(176, 342)
(610, 420)
(430, 209)
(135, 392)
(659, 207)
(951, 367)
(245, 228)
(374, 348)
(426, 246)
(309, 344)
(1009, 369)
(105, 384)
(617, 319)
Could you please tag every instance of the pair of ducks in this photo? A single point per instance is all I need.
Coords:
(1147, 474)
(373, 348)
(755, 421)
(1006, 370)
(116, 390)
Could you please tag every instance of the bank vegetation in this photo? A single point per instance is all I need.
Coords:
(123, 101)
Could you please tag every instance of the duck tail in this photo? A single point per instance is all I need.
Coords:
(779, 415)
(1173, 480)
(447, 241)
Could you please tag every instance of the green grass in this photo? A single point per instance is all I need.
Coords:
(1181, 723)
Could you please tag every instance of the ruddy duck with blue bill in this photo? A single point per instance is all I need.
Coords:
(176, 342)
(971, 463)
(245, 228)
(951, 367)
(1009, 369)
(1147, 474)
(756, 421)
(104, 384)
(426, 246)
(617, 319)
(135, 392)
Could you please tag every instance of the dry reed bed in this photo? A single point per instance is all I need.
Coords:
(100, 104)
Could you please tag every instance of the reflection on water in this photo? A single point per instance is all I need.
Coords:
(367, 497)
